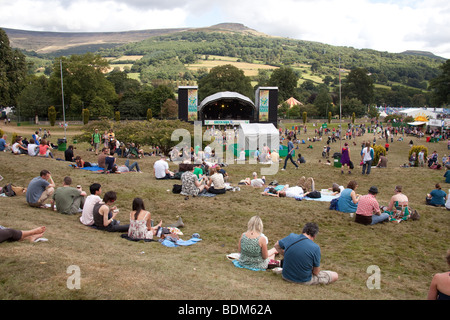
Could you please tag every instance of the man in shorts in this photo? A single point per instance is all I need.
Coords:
(301, 262)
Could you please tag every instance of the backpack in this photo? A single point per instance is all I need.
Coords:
(176, 188)
(314, 194)
(334, 204)
(8, 191)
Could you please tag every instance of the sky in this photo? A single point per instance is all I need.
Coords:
(383, 25)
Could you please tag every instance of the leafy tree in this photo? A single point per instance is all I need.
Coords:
(149, 114)
(323, 102)
(13, 70)
(285, 78)
(52, 115)
(440, 86)
(353, 105)
(159, 96)
(359, 85)
(169, 109)
(225, 78)
(99, 108)
(83, 76)
(85, 116)
(33, 100)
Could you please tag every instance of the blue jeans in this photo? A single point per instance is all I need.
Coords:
(377, 219)
(133, 165)
(368, 165)
(289, 156)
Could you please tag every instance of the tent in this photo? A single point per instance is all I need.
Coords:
(255, 135)
(419, 113)
(293, 102)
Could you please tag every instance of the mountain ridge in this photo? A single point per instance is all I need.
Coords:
(52, 41)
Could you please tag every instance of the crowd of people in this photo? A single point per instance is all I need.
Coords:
(301, 261)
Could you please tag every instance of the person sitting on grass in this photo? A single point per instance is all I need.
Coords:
(348, 200)
(216, 183)
(69, 200)
(368, 211)
(8, 234)
(190, 185)
(436, 197)
(141, 222)
(104, 213)
(440, 284)
(301, 263)
(252, 247)
(40, 189)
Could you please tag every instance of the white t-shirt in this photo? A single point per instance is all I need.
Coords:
(160, 167)
(293, 192)
(32, 149)
(366, 154)
(87, 216)
(257, 183)
(15, 148)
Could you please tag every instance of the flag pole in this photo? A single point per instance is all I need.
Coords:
(340, 105)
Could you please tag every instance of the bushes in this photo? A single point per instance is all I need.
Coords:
(378, 151)
(151, 133)
(417, 149)
(52, 115)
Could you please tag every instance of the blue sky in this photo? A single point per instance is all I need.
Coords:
(383, 25)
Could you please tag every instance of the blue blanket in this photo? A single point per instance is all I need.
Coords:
(180, 242)
(236, 264)
(96, 168)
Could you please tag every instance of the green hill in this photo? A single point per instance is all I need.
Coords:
(170, 54)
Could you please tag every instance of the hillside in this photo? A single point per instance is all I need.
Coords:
(184, 55)
(43, 42)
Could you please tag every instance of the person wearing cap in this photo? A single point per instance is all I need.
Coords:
(368, 210)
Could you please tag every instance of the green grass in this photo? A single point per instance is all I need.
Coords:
(408, 253)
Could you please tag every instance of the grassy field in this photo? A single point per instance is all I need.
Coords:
(408, 254)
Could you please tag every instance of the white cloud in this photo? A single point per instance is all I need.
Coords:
(385, 25)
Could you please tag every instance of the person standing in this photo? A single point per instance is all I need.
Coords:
(367, 158)
(345, 158)
(301, 263)
(95, 140)
(289, 155)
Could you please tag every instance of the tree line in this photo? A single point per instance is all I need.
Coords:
(88, 86)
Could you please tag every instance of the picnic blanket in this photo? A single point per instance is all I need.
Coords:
(176, 243)
(96, 168)
(325, 198)
(234, 258)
